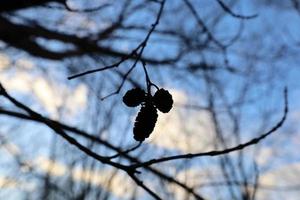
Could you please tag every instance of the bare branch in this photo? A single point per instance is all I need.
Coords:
(203, 25)
(229, 11)
(126, 151)
(142, 185)
(108, 145)
(136, 54)
(224, 151)
(60, 131)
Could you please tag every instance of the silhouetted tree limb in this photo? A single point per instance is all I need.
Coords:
(229, 11)
(73, 141)
(24, 37)
(135, 54)
(58, 126)
(224, 151)
(192, 57)
(12, 5)
(60, 131)
(203, 26)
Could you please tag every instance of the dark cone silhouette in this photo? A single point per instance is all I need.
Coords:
(134, 97)
(145, 122)
(163, 100)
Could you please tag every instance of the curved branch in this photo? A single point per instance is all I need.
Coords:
(76, 131)
(229, 11)
(224, 151)
(55, 127)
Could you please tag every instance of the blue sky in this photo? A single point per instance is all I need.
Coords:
(269, 46)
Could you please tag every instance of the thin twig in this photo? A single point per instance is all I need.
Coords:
(203, 25)
(95, 9)
(229, 11)
(142, 185)
(126, 151)
(137, 52)
(140, 48)
(122, 83)
(99, 69)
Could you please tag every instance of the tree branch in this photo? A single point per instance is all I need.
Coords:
(224, 151)
(229, 11)
(156, 172)
(12, 5)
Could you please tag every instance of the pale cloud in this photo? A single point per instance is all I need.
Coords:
(50, 95)
(54, 96)
(11, 148)
(46, 95)
(77, 99)
(25, 63)
(264, 155)
(197, 176)
(10, 183)
(82, 21)
(185, 130)
(19, 82)
(288, 174)
(4, 61)
(194, 177)
(102, 178)
(51, 167)
(108, 179)
(284, 176)
(117, 183)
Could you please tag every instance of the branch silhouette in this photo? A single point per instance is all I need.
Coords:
(73, 141)
(135, 54)
(233, 14)
(187, 46)
(224, 151)
(60, 129)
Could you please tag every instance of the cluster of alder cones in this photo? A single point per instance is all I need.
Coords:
(147, 116)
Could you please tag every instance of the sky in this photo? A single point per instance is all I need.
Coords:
(180, 131)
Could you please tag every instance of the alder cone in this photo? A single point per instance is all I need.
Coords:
(145, 122)
(134, 97)
(163, 100)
